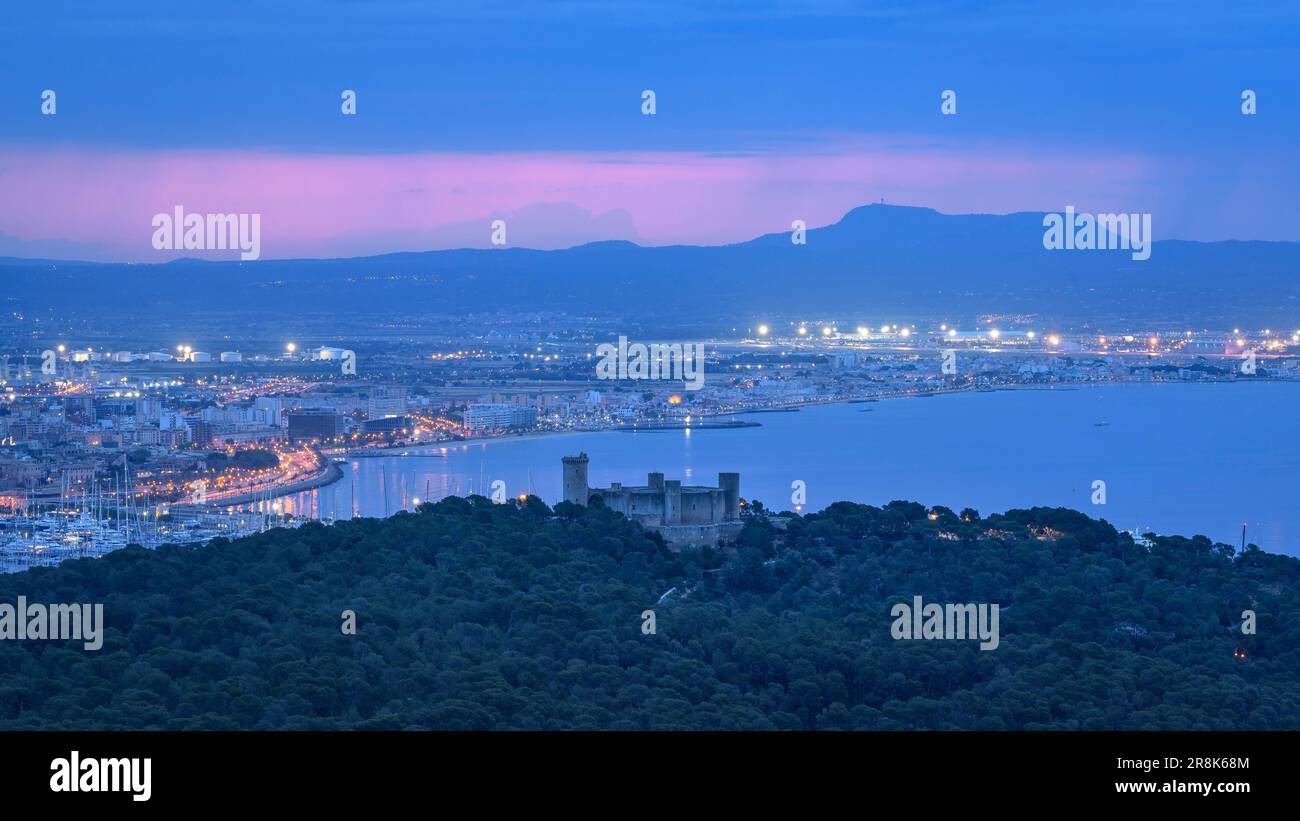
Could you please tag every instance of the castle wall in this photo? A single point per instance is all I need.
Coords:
(690, 514)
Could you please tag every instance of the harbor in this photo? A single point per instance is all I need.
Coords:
(92, 526)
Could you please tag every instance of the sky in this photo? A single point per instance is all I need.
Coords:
(766, 112)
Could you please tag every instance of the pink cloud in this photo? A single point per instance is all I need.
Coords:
(339, 205)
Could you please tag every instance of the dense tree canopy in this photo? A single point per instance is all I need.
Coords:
(251, 459)
(475, 615)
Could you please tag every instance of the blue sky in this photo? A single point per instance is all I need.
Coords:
(1152, 89)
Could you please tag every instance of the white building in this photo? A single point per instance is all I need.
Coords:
(273, 407)
(386, 402)
(486, 416)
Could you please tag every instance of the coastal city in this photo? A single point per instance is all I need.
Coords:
(375, 375)
(102, 446)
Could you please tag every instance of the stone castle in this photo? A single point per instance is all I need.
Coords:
(682, 514)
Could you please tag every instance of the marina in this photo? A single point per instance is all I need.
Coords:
(94, 525)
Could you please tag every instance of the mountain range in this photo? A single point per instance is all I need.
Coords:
(879, 262)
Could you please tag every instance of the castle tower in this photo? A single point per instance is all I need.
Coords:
(673, 502)
(730, 484)
(575, 479)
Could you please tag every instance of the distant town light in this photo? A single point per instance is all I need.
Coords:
(905, 332)
(291, 347)
(864, 330)
(762, 330)
(884, 329)
(952, 332)
(826, 330)
(1053, 340)
(1030, 334)
(802, 330)
(994, 334)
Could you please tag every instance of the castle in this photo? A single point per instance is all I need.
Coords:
(681, 514)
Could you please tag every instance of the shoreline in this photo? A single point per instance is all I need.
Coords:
(331, 474)
(334, 473)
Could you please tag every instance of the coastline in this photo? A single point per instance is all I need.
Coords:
(331, 474)
(334, 473)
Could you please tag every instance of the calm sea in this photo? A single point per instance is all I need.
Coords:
(1175, 458)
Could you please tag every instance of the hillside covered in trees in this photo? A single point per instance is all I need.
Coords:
(473, 615)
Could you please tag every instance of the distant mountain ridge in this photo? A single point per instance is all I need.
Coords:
(877, 261)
